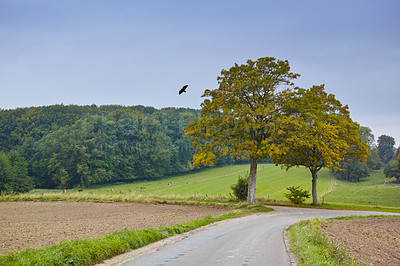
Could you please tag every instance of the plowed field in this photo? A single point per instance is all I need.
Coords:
(37, 224)
(370, 241)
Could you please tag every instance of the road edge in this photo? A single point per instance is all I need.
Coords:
(125, 257)
(293, 259)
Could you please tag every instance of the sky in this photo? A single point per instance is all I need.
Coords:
(142, 52)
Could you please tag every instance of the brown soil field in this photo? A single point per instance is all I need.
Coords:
(37, 224)
(371, 241)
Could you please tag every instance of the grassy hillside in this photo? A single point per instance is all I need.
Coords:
(271, 183)
(371, 191)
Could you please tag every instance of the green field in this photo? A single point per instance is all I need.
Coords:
(370, 191)
(271, 183)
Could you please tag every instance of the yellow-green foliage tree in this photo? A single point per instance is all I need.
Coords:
(238, 117)
(317, 132)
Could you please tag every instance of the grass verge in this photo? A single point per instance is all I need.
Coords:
(311, 247)
(98, 249)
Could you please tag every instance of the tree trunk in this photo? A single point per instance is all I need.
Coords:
(251, 193)
(314, 187)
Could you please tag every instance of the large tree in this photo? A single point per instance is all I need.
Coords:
(238, 117)
(317, 132)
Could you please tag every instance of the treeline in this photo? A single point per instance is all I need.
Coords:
(67, 146)
(383, 154)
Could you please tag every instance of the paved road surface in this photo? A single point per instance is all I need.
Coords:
(251, 240)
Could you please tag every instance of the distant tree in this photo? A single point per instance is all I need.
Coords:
(367, 136)
(318, 133)
(374, 162)
(392, 170)
(386, 148)
(20, 181)
(5, 172)
(14, 173)
(352, 171)
(239, 117)
(398, 157)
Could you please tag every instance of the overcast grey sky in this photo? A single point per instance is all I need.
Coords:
(142, 52)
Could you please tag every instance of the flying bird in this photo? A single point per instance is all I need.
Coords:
(183, 89)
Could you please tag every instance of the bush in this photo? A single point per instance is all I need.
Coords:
(297, 195)
(240, 188)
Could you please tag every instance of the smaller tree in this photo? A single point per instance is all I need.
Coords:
(386, 148)
(5, 172)
(392, 170)
(14, 173)
(367, 136)
(20, 181)
(374, 161)
(297, 195)
(353, 171)
(398, 158)
(240, 189)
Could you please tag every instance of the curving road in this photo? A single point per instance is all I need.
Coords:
(251, 240)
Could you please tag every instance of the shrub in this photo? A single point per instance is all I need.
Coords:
(240, 188)
(296, 195)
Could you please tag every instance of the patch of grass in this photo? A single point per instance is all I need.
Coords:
(371, 191)
(312, 248)
(98, 249)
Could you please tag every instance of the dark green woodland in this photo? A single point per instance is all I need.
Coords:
(68, 146)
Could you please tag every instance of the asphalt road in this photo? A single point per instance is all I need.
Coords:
(251, 240)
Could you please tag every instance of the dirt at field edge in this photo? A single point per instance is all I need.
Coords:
(38, 224)
(373, 241)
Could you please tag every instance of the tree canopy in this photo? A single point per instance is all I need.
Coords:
(386, 148)
(392, 168)
(237, 118)
(14, 173)
(317, 132)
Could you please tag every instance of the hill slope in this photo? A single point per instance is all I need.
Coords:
(271, 182)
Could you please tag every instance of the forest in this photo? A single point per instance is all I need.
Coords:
(68, 146)
(78, 146)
